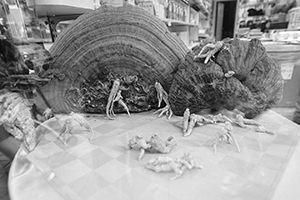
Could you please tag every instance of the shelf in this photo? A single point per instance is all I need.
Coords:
(278, 25)
(60, 7)
(170, 22)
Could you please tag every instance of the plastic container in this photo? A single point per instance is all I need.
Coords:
(288, 58)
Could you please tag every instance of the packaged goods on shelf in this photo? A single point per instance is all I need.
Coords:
(294, 18)
(154, 8)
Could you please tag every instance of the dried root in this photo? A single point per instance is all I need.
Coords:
(111, 97)
(186, 117)
(243, 122)
(119, 99)
(219, 118)
(196, 119)
(154, 145)
(262, 129)
(167, 164)
(225, 133)
(211, 50)
(163, 96)
(66, 129)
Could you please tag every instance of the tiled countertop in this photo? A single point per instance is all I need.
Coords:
(104, 168)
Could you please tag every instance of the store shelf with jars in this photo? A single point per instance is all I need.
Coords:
(181, 16)
(277, 24)
(257, 18)
(253, 17)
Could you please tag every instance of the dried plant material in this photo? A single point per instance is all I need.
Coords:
(225, 133)
(255, 86)
(263, 129)
(243, 122)
(154, 145)
(219, 118)
(110, 43)
(14, 73)
(130, 45)
(196, 120)
(16, 118)
(111, 97)
(67, 127)
(162, 95)
(185, 121)
(210, 50)
(179, 165)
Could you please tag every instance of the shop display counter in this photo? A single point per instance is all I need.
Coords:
(105, 168)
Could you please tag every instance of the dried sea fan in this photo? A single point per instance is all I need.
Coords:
(256, 85)
(125, 43)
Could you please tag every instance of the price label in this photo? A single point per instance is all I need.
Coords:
(287, 70)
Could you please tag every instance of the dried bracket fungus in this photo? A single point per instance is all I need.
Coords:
(134, 47)
(124, 43)
(255, 83)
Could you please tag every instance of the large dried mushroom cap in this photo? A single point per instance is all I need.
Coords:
(126, 43)
(256, 84)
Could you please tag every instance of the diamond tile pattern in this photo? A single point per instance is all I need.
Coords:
(104, 168)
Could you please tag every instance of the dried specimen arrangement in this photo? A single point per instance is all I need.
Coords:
(179, 165)
(154, 145)
(107, 50)
(127, 49)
